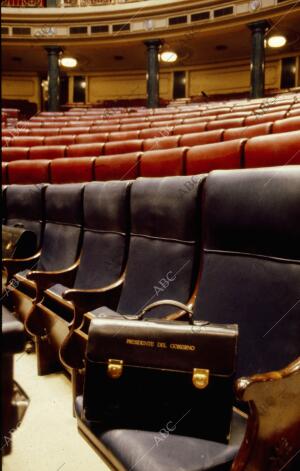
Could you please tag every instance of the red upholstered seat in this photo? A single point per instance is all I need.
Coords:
(134, 126)
(70, 170)
(234, 115)
(161, 163)
(189, 128)
(264, 117)
(9, 154)
(247, 131)
(54, 124)
(203, 119)
(222, 155)
(66, 140)
(293, 112)
(167, 142)
(118, 167)
(29, 124)
(272, 150)
(123, 147)
(216, 111)
(156, 132)
(164, 124)
(79, 122)
(28, 171)
(123, 136)
(6, 141)
(288, 124)
(27, 141)
(199, 138)
(11, 132)
(4, 180)
(47, 152)
(91, 138)
(44, 132)
(225, 123)
(75, 130)
(85, 150)
(105, 128)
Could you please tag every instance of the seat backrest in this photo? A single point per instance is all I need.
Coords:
(123, 147)
(27, 141)
(198, 138)
(25, 206)
(63, 227)
(272, 150)
(105, 237)
(158, 143)
(47, 152)
(286, 125)
(264, 117)
(222, 155)
(28, 171)
(123, 135)
(189, 128)
(70, 170)
(247, 131)
(163, 163)
(118, 167)
(75, 130)
(85, 150)
(163, 249)
(225, 123)
(107, 127)
(9, 154)
(59, 140)
(91, 138)
(156, 132)
(44, 132)
(293, 112)
(251, 263)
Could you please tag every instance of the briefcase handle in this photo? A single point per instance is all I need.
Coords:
(167, 302)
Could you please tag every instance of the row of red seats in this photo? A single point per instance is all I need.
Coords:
(262, 151)
(94, 120)
(95, 145)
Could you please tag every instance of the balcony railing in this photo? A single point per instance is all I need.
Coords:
(61, 3)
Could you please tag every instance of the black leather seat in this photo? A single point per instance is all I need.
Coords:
(164, 243)
(24, 207)
(250, 274)
(61, 240)
(98, 275)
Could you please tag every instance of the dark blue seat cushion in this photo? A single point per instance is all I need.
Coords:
(160, 451)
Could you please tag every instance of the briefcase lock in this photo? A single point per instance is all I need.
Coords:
(200, 378)
(115, 368)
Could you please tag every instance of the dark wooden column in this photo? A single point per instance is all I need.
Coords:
(153, 46)
(53, 77)
(258, 29)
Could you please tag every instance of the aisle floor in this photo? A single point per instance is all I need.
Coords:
(48, 439)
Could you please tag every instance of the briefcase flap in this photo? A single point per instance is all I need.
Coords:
(168, 345)
(18, 242)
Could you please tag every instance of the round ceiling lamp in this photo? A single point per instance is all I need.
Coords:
(68, 62)
(168, 56)
(276, 41)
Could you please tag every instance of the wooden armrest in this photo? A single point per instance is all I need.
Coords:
(14, 265)
(45, 279)
(272, 439)
(88, 299)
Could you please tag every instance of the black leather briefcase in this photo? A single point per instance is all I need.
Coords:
(165, 376)
(18, 242)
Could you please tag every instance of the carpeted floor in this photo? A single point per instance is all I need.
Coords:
(48, 439)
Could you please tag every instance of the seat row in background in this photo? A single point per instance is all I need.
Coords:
(96, 240)
(262, 151)
(27, 128)
(164, 136)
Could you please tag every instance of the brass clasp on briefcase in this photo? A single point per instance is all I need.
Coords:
(200, 378)
(115, 368)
